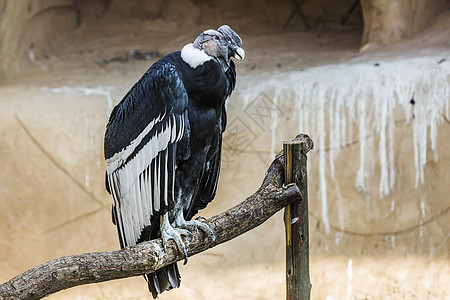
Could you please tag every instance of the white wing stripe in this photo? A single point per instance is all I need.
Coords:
(181, 129)
(142, 160)
(149, 189)
(138, 206)
(173, 125)
(135, 198)
(173, 173)
(145, 197)
(117, 160)
(113, 185)
(166, 178)
(156, 187)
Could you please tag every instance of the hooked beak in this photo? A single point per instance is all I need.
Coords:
(238, 52)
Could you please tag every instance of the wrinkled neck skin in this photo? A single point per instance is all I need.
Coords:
(212, 49)
(224, 63)
(195, 57)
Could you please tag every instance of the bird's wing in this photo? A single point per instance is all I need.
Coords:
(209, 178)
(210, 175)
(141, 142)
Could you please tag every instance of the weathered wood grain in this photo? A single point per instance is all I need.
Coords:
(298, 284)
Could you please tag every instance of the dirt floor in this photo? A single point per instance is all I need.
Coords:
(85, 74)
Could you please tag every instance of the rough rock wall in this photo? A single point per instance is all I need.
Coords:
(387, 22)
(30, 29)
(27, 29)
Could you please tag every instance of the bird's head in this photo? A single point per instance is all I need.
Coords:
(221, 44)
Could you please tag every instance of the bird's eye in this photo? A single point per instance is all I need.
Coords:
(216, 37)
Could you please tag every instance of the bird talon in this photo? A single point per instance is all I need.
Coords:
(200, 218)
(185, 258)
(187, 233)
(196, 224)
(169, 232)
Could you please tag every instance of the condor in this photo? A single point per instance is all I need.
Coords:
(163, 145)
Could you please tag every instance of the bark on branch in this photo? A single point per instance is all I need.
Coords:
(69, 271)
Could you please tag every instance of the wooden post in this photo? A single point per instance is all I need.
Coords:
(298, 285)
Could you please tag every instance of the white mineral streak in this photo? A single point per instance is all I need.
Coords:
(101, 91)
(422, 209)
(98, 91)
(273, 127)
(337, 238)
(330, 100)
(86, 130)
(349, 278)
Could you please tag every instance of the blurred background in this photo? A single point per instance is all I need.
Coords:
(368, 80)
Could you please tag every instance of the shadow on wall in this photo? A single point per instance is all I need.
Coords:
(30, 30)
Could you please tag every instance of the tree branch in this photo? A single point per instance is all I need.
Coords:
(147, 257)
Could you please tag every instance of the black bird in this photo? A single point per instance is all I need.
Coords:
(163, 145)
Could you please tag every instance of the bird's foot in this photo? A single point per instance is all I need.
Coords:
(200, 218)
(169, 232)
(180, 222)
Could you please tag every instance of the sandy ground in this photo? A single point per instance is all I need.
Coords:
(93, 59)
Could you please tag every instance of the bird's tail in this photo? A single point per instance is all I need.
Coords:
(163, 279)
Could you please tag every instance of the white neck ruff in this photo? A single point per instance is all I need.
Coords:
(194, 57)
